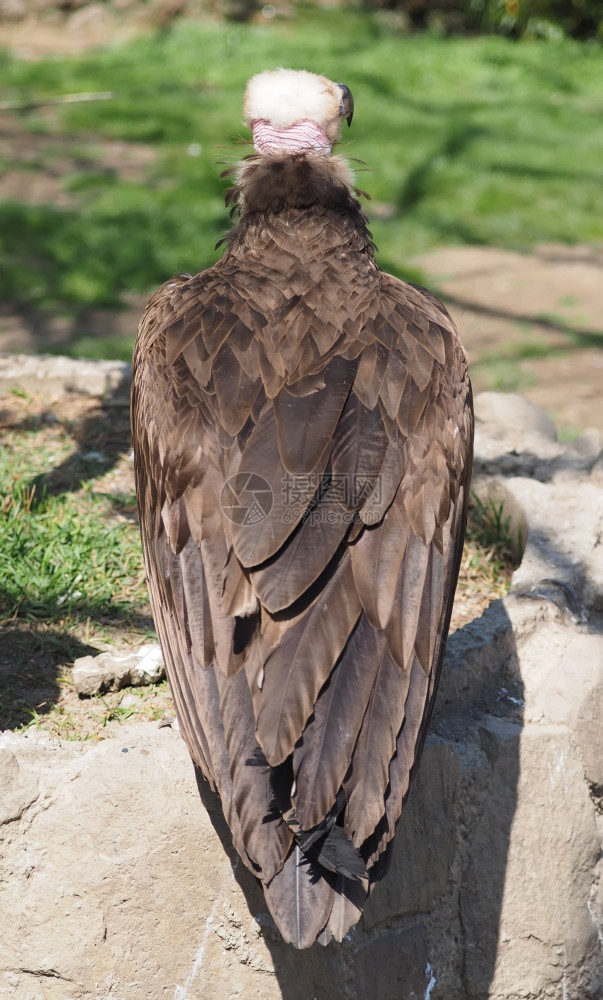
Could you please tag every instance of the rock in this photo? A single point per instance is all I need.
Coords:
(515, 438)
(505, 416)
(587, 729)
(420, 869)
(55, 375)
(115, 669)
(480, 659)
(395, 965)
(545, 935)
(13, 10)
(119, 885)
(588, 443)
(18, 787)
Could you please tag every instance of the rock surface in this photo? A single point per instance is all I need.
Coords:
(114, 882)
(34, 372)
(118, 668)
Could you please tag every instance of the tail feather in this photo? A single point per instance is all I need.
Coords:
(335, 852)
(299, 899)
(350, 897)
(310, 904)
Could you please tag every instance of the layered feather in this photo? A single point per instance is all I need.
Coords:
(302, 433)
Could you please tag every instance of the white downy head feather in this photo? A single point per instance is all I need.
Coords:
(284, 98)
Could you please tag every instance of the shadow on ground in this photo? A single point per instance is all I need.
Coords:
(30, 661)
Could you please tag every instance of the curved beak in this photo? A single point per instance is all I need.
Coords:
(347, 103)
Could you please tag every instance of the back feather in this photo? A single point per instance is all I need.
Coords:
(302, 433)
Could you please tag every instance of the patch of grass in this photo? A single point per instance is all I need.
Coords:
(31, 660)
(69, 549)
(67, 553)
(472, 140)
(100, 347)
(491, 552)
(499, 373)
(94, 718)
(503, 371)
(71, 571)
(489, 530)
(575, 337)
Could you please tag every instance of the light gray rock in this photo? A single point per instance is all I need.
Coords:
(55, 375)
(395, 965)
(515, 438)
(420, 872)
(18, 786)
(546, 938)
(118, 668)
(506, 416)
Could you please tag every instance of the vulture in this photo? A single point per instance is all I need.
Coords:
(302, 428)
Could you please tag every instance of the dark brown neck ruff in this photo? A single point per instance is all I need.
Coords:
(268, 186)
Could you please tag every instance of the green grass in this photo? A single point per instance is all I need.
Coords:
(491, 541)
(68, 553)
(71, 572)
(473, 140)
(502, 370)
(71, 581)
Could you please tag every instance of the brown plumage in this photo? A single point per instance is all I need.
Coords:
(303, 636)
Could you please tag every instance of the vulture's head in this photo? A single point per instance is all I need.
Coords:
(293, 111)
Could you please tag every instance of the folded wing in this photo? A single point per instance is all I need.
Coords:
(302, 514)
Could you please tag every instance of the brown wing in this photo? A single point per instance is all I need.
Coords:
(302, 469)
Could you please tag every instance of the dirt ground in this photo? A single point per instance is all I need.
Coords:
(531, 323)
(61, 34)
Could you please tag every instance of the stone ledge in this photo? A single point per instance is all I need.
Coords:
(55, 375)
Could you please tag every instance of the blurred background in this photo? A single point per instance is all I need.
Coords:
(478, 135)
